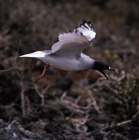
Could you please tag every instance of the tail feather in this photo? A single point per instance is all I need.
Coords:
(37, 54)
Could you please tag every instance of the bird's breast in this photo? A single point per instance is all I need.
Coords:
(64, 63)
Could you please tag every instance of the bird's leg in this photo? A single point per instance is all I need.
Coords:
(43, 73)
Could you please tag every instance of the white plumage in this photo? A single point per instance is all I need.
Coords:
(87, 30)
(67, 53)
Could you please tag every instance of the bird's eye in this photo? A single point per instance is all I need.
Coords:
(106, 66)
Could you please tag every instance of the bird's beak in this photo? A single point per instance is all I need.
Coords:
(112, 69)
(104, 75)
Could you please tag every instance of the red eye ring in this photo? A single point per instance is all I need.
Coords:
(105, 65)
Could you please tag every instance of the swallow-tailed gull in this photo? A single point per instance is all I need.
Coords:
(66, 54)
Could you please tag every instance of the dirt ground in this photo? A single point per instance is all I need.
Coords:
(69, 105)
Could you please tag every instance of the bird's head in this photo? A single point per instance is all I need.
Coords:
(101, 67)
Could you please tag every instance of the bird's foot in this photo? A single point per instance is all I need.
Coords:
(43, 73)
(38, 78)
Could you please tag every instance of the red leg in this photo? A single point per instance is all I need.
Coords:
(43, 73)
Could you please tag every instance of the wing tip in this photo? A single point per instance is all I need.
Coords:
(88, 24)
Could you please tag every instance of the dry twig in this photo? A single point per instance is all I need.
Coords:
(42, 94)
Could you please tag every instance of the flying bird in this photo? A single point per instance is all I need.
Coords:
(66, 54)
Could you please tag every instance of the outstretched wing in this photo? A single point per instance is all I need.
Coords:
(86, 29)
(72, 44)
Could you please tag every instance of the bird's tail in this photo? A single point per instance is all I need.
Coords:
(37, 54)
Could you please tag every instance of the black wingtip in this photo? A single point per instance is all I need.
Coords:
(84, 21)
(91, 25)
(88, 23)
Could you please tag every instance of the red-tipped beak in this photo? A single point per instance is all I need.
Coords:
(112, 69)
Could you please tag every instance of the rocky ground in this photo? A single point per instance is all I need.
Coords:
(69, 105)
